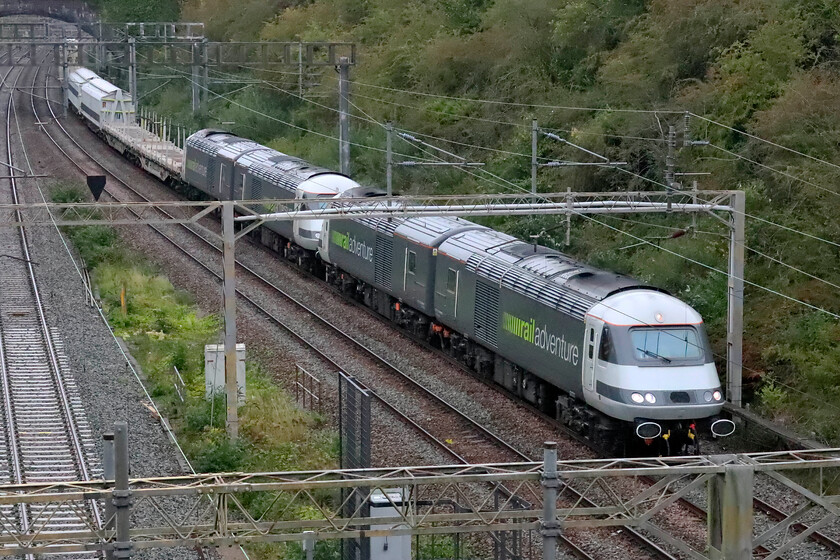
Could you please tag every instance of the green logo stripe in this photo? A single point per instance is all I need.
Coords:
(519, 327)
(340, 239)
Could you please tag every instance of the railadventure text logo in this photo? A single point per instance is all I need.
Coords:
(528, 331)
(349, 243)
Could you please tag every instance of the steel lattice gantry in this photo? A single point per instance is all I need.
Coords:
(452, 500)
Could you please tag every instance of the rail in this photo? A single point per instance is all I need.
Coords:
(49, 437)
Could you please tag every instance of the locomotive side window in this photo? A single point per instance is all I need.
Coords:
(451, 281)
(412, 262)
(591, 342)
(607, 351)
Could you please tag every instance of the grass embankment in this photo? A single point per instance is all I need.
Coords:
(165, 330)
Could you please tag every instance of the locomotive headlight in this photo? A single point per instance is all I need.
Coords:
(637, 398)
(707, 396)
(650, 398)
(717, 395)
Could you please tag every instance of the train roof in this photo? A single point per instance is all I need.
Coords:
(100, 88)
(431, 231)
(632, 308)
(539, 272)
(82, 75)
(265, 163)
(233, 149)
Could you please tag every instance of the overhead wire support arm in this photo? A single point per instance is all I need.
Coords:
(535, 165)
(582, 164)
(440, 163)
(573, 145)
(410, 138)
(390, 163)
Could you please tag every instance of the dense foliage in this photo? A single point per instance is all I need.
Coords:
(763, 67)
(128, 10)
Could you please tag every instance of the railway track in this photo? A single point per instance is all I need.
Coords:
(45, 432)
(469, 426)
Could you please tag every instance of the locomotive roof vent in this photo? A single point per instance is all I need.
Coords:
(522, 250)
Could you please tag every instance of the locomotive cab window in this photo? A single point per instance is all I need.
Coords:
(412, 262)
(666, 344)
(451, 281)
(316, 201)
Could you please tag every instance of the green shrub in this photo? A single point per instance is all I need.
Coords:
(773, 398)
(220, 455)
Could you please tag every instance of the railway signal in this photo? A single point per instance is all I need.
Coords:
(96, 184)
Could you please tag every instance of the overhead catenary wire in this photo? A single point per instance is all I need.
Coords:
(291, 125)
(164, 84)
(746, 247)
(372, 120)
(517, 104)
(270, 70)
(663, 226)
(473, 118)
(699, 194)
(620, 169)
(313, 102)
(511, 185)
(497, 178)
(773, 169)
(496, 121)
(710, 267)
(607, 109)
(763, 220)
(764, 140)
(368, 118)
